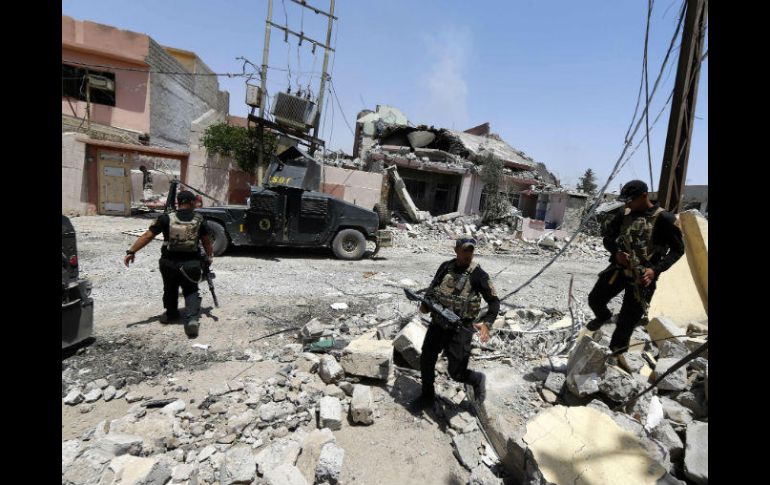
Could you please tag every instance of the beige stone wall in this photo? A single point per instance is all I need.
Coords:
(74, 190)
(209, 173)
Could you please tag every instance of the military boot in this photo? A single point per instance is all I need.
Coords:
(478, 382)
(596, 323)
(169, 316)
(192, 304)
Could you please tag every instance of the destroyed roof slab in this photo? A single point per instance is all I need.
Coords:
(479, 145)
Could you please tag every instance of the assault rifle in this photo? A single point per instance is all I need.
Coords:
(448, 314)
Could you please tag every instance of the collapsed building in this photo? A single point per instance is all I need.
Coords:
(442, 170)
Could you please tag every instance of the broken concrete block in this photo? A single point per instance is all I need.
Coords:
(633, 362)
(666, 435)
(73, 397)
(184, 474)
(586, 365)
(329, 464)
(330, 413)
(311, 450)
(368, 358)
(679, 415)
(237, 423)
(235, 385)
(676, 381)
(408, 342)
(606, 452)
(93, 395)
(277, 453)
(312, 330)
(655, 414)
(334, 391)
(70, 449)
(109, 393)
(549, 396)
(362, 405)
(86, 466)
(463, 422)
(617, 384)
(388, 329)
(133, 470)
(695, 401)
(696, 454)
(285, 475)
(308, 362)
(219, 389)
(339, 306)
(692, 344)
(555, 382)
(672, 349)
(347, 387)
(330, 370)
(173, 408)
(238, 466)
(118, 444)
(154, 430)
(466, 448)
(661, 328)
(482, 475)
(696, 328)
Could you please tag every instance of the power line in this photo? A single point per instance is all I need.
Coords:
(613, 173)
(334, 91)
(647, 91)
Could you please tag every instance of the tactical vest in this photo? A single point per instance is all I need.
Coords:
(636, 237)
(183, 236)
(454, 292)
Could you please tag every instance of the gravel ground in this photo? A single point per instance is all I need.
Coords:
(263, 291)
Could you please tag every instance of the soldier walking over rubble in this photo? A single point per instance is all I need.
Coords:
(180, 263)
(458, 286)
(643, 242)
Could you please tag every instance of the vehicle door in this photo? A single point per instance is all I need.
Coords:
(265, 217)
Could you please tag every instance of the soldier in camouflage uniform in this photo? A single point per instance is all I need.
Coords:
(643, 241)
(180, 262)
(459, 285)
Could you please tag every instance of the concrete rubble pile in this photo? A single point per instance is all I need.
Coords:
(242, 430)
(501, 237)
(667, 427)
(278, 430)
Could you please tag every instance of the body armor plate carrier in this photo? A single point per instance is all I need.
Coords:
(183, 236)
(454, 292)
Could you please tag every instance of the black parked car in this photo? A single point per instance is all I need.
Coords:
(77, 306)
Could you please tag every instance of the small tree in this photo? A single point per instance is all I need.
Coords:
(588, 182)
(497, 205)
(240, 143)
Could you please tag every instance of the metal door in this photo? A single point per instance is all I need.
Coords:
(114, 178)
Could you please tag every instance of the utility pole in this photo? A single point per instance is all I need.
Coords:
(323, 75)
(261, 121)
(262, 93)
(680, 123)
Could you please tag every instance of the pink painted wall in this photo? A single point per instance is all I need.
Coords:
(92, 43)
(360, 188)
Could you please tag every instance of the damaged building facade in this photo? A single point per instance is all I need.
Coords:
(123, 107)
(441, 170)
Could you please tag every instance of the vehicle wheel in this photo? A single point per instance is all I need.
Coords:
(218, 237)
(384, 215)
(349, 244)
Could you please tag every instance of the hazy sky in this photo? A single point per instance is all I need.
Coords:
(557, 80)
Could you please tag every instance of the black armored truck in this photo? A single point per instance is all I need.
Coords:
(287, 210)
(77, 306)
